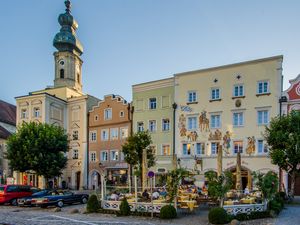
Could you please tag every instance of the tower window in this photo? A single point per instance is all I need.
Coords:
(78, 77)
(62, 73)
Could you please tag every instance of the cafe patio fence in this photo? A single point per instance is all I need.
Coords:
(245, 208)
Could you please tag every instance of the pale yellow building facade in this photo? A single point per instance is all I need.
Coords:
(227, 106)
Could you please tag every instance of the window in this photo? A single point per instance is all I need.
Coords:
(192, 123)
(107, 114)
(215, 93)
(75, 153)
(165, 124)
(192, 96)
(121, 113)
(152, 103)
(214, 148)
(124, 132)
(186, 149)
(140, 126)
(262, 147)
(93, 157)
(238, 90)
(166, 150)
(104, 155)
(262, 117)
(36, 112)
(96, 118)
(200, 149)
(152, 125)
(238, 147)
(114, 133)
(24, 113)
(262, 87)
(62, 73)
(104, 135)
(215, 121)
(93, 136)
(238, 119)
(75, 135)
(114, 155)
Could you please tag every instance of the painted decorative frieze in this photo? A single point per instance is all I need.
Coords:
(226, 142)
(203, 122)
(250, 145)
(192, 136)
(182, 125)
(217, 136)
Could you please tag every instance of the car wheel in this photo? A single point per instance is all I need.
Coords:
(14, 202)
(60, 204)
(84, 200)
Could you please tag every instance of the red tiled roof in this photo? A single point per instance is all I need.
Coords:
(7, 113)
(4, 134)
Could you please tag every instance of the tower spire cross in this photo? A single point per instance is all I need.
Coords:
(68, 6)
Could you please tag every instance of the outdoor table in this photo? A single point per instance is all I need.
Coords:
(190, 204)
(228, 202)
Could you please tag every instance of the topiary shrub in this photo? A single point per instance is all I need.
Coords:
(92, 204)
(168, 212)
(124, 208)
(218, 216)
(276, 205)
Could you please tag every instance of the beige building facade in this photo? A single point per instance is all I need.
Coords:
(64, 105)
(227, 106)
(109, 128)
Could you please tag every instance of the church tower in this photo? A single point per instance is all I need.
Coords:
(67, 59)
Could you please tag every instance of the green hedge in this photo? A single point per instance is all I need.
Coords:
(168, 212)
(92, 204)
(124, 208)
(218, 216)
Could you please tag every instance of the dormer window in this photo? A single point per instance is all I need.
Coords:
(62, 73)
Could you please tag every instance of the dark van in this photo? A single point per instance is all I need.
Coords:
(10, 193)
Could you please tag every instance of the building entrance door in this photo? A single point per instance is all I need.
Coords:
(78, 180)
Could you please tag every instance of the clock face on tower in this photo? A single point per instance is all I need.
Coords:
(61, 62)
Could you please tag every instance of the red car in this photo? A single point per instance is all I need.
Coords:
(10, 193)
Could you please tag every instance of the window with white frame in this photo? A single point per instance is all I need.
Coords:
(186, 149)
(238, 90)
(263, 87)
(140, 126)
(93, 156)
(166, 124)
(200, 149)
(75, 135)
(75, 154)
(114, 133)
(93, 136)
(114, 155)
(152, 103)
(191, 96)
(262, 147)
(107, 114)
(263, 117)
(237, 147)
(192, 123)
(23, 113)
(104, 134)
(36, 112)
(215, 121)
(215, 93)
(166, 150)
(214, 148)
(238, 119)
(152, 125)
(104, 155)
(124, 132)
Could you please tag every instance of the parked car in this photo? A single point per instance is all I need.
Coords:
(60, 199)
(26, 201)
(10, 193)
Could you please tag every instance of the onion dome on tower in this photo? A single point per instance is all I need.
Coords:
(66, 39)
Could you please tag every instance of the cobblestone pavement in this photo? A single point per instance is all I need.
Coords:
(289, 216)
(36, 216)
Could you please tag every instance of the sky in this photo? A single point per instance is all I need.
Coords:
(128, 42)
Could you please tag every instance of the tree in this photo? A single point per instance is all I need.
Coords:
(266, 183)
(133, 150)
(283, 137)
(39, 147)
(173, 179)
(218, 186)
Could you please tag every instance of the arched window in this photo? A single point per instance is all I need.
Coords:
(62, 73)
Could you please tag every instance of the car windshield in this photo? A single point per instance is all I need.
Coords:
(39, 193)
(2, 188)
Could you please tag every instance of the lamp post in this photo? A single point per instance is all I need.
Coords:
(174, 106)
